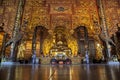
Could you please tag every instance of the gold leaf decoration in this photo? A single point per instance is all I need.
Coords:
(72, 44)
(47, 44)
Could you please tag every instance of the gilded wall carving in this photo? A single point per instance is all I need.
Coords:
(60, 20)
(36, 13)
(9, 2)
(74, 13)
(112, 15)
(60, 1)
(9, 14)
(85, 11)
(41, 12)
(1, 14)
(47, 44)
(60, 9)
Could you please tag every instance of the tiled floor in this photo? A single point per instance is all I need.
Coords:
(60, 72)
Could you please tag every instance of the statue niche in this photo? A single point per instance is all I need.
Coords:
(60, 50)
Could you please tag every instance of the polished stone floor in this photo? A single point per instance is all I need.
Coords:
(60, 72)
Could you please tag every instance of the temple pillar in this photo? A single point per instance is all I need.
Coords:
(78, 34)
(116, 41)
(41, 40)
(34, 42)
(86, 40)
(86, 45)
(104, 27)
(16, 29)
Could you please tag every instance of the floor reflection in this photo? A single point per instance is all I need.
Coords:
(59, 72)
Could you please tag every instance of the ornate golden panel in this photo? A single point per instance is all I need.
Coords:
(9, 17)
(9, 14)
(1, 14)
(112, 16)
(60, 20)
(60, 9)
(65, 13)
(9, 2)
(60, 1)
(79, 12)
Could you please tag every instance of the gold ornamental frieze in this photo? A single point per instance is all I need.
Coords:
(54, 10)
(112, 3)
(60, 20)
(60, 1)
(112, 20)
(60, 9)
(47, 44)
(9, 18)
(43, 20)
(35, 3)
(9, 2)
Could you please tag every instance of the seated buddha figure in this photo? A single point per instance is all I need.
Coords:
(60, 49)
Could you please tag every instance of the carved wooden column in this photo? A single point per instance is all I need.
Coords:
(104, 26)
(85, 39)
(41, 40)
(34, 41)
(86, 45)
(116, 42)
(78, 37)
(16, 29)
